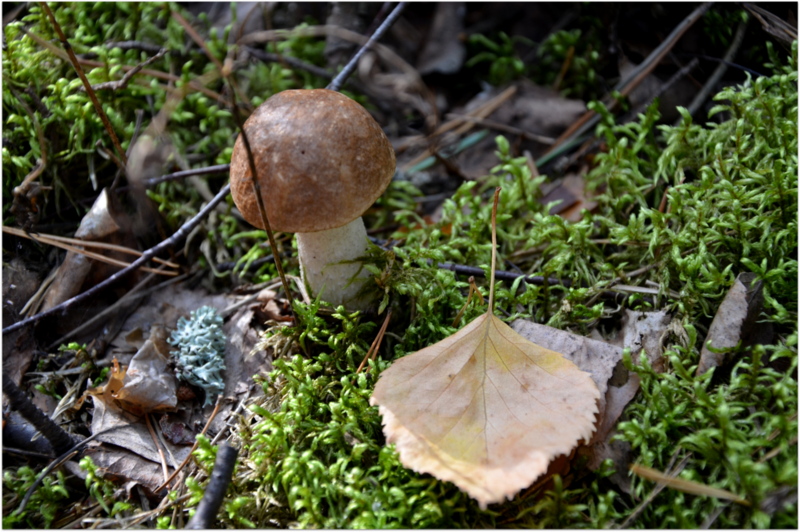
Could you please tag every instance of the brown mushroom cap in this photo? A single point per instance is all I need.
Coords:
(321, 158)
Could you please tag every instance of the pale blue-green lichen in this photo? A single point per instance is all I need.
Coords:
(200, 357)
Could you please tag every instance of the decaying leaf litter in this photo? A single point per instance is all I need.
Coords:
(461, 140)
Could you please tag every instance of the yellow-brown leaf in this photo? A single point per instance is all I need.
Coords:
(485, 409)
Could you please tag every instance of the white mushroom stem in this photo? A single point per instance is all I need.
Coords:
(327, 268)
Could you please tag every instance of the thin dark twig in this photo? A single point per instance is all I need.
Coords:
(86, 84)
(316, 71)
(56, 463)
(206, 514)
(139, 45)
(339, 80)
(216, 169)
(503, 275)
(186, 460)
(527, 279)
(170, 242)
(153, 181)
(59, 439)
(122, 83)
(711, 84)
(268, 57)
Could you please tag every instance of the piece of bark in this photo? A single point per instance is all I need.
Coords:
(735, 321)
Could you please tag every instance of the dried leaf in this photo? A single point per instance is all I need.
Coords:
(485, 409)
(149, 385)
(105, 222)
(618, 386)
(735, 320)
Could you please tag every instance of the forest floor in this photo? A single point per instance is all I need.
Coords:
(646, 232)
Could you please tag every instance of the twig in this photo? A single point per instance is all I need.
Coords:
(24, 452)
(293, 62)
(773, 25)
(339, 80)
(719, 71)
(194, 84)
(122, 83)
(634, 515)
(462, 125)
(206, 513)
(233, 413)
(59, 439)
(199, 41)
(129, 297)
(172, 241)
(503, 275)
(164, 466)
(491, 124)
(92, 96)
(216, 169)
(139, 45)
(535, 280)
(388, 55)
(713, 516)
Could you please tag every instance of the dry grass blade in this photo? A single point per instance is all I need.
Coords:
(203, 46)
(122, 83)
(70, 243)
(463, 124)
(386, 53)
(376, 344)
(687, 486)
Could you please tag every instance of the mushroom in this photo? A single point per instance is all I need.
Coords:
(321, 161)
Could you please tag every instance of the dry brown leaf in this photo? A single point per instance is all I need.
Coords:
(485, 408)
(735, 321)
(149, 385)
